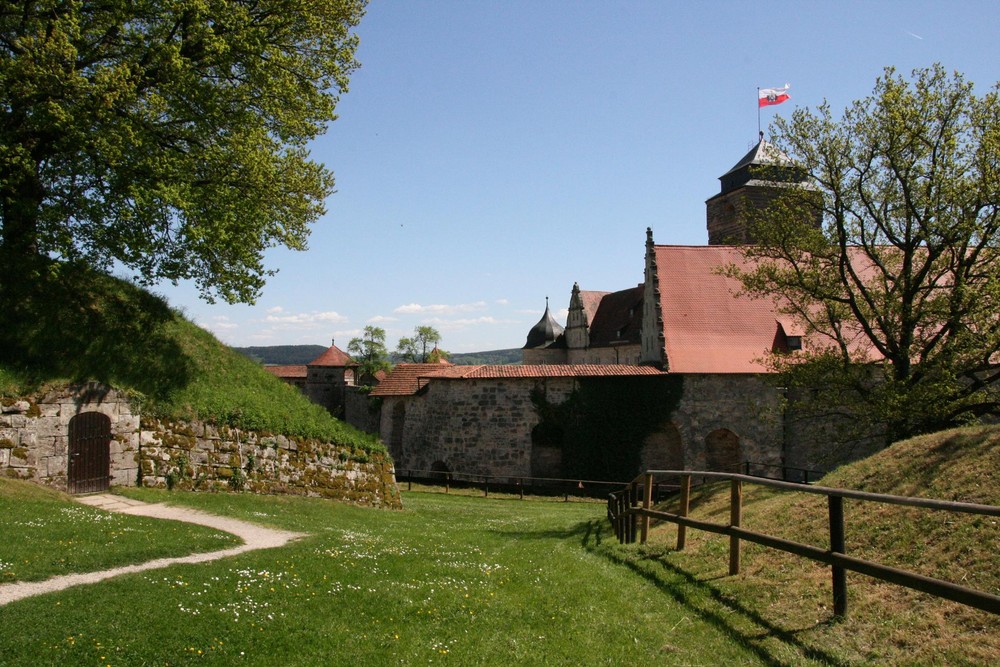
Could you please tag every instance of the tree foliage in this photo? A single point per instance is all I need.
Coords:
(422, 348)
(370, 352)
(902, 279)
(169, 136)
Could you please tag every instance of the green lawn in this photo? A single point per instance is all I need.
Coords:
(44, 534)
(448, 580)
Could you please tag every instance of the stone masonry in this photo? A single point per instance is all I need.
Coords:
(34, 442)
(484, 427)
(203, 457)
(34, 434)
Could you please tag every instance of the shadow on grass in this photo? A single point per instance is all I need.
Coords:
(711, 604)
(68, 323)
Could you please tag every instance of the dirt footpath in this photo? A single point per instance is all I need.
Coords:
(253, 536)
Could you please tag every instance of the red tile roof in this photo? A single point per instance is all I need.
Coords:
(591, 301)
(560, 370)
(333, 357)
(289, 372)
(708, 325)
(618, 318)
(408, 379)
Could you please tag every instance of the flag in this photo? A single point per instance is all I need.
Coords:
(768, 96)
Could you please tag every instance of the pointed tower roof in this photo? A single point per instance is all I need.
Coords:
(334, 357)
(764, 154)
(545, 332)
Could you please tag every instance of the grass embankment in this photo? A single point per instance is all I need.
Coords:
(780, 601)
(46, 534)
(76, 325)
(449, 580)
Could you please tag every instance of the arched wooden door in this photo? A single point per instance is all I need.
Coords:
(89, 453)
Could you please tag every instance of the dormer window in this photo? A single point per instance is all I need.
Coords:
(788, 336)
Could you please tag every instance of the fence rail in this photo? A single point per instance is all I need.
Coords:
(630, 511)
(514, 485)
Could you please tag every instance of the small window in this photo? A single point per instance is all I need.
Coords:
(794, 342)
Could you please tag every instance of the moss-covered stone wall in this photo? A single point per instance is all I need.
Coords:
(199, 456)
(34, 443)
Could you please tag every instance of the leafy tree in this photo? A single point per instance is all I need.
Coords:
(420, 348)
(902, 278)
(369, 351)
(168, 136)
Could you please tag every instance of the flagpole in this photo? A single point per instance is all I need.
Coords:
(758, 110)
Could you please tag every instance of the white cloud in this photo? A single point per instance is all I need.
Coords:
(346, 335)
(439, 309)
(222, 323)
(502, 302)
(458, 324)
(378, 319)
(306, 320)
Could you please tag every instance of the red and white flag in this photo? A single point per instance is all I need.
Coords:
(768, 96)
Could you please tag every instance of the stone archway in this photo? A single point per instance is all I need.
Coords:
(546, 450)
(722, 451)
(440, 470)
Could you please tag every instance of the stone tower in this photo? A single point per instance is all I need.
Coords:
(754, 182)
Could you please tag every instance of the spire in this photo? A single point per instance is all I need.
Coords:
(545, 332)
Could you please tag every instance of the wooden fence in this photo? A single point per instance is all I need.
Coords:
(630, 511)
(538, 486)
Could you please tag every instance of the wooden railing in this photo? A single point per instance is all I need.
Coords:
(513, 485)
(630, 511)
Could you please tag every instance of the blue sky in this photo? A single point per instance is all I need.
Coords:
(490, 154)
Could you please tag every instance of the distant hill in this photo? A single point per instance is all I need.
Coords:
(493, 358)
(286, 355)
(282, 355)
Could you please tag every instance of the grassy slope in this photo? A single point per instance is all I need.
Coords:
(105, 329)
(780, 599)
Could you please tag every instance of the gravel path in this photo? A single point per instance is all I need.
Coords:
(253, 536)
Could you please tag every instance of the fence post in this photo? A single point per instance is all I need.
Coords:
(837, 545)
(629, 517)
(486, 486)
(647, 502)
(685, 508)
(735, 516)
(520, 487)
(621, 516)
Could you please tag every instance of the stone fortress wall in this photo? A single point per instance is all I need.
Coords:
(35, 444)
